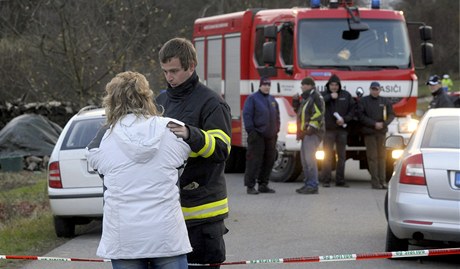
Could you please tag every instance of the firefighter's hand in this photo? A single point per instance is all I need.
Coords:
(340, 122)
(379, 125)
(178, 130)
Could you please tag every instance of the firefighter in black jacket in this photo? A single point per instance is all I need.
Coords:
(207, 130)
(339, 112)
(375, 113)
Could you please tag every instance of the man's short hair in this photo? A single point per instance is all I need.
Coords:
(180, 48)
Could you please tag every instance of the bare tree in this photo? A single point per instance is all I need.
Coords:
(67, 50)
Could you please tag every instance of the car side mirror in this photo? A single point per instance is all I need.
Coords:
(395, 142)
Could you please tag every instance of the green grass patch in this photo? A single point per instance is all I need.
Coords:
(26, 222)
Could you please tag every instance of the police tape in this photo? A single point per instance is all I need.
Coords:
(52, 259)
(348, 257)
(327, 258)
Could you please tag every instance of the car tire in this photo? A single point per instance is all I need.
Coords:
(64, 227)
(385, 205)
(395, 244)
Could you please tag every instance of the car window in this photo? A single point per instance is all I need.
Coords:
(442, 132)
(81, 132)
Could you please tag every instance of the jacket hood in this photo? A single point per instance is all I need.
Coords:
(334, 78)
(139, 138)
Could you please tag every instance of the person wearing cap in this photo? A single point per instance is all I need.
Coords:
(310, 130)
(446, 82)
(339, 111)
(262, 122)
(440, 97)
(375, 114)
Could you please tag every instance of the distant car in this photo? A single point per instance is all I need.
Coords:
(423, 199)
(74, 189)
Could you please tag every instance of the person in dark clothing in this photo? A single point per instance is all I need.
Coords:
(310, 130)
(207, 131)
(339, 111)
(440, 97)
(375, 114)
(262, 122)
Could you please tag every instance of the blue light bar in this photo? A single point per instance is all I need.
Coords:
(315, 3)
(375, 4)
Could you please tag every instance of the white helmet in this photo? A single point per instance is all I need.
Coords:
(445, 76)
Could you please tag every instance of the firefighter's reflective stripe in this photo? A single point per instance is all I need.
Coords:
(210, 143)
(206, 211)
(217, 133)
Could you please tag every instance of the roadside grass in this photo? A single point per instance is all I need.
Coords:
(26, 223)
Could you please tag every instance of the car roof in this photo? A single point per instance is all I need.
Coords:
(435, 112)
(91, 112)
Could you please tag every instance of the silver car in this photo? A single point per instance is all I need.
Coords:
(423, 199)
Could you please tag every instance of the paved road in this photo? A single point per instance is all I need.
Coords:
(286, 224)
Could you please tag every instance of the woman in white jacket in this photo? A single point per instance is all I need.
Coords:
(143, 225)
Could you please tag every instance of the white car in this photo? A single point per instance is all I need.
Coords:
(423, 199)
(74, 189)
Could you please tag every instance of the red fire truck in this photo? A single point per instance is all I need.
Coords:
(360, 45)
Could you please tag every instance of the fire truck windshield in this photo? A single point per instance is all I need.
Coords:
(324, 43)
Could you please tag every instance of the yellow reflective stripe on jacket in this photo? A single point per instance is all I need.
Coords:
(313, 122)
(217, 133)
(210, 143)
(208, 148)
(302, 121)
(317, 114)
(206, 211)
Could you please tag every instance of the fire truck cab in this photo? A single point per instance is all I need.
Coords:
(360, 45)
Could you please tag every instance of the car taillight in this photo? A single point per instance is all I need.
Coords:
(54, 176)
(412, 171)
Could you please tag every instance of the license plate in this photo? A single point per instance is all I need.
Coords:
(457, 179)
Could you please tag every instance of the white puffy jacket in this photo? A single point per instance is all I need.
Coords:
(142, 214)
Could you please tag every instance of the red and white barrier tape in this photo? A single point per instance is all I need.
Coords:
(327, 258)
(52, 259)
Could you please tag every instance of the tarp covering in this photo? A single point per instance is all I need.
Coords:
(27, 135)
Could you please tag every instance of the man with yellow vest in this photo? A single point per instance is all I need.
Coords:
(446, 82)
(207, 131)
(310, 130)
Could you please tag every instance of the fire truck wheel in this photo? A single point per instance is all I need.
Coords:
(286, 168)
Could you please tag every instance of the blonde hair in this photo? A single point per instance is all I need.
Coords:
(128, 92)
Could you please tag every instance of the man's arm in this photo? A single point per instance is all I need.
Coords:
(351, 109)
(213, 140)
(362, 115)
(390, 113)
(248, 114)
(98, 138)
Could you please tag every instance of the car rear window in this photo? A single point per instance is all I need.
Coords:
(81, 132)
(442, 132)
